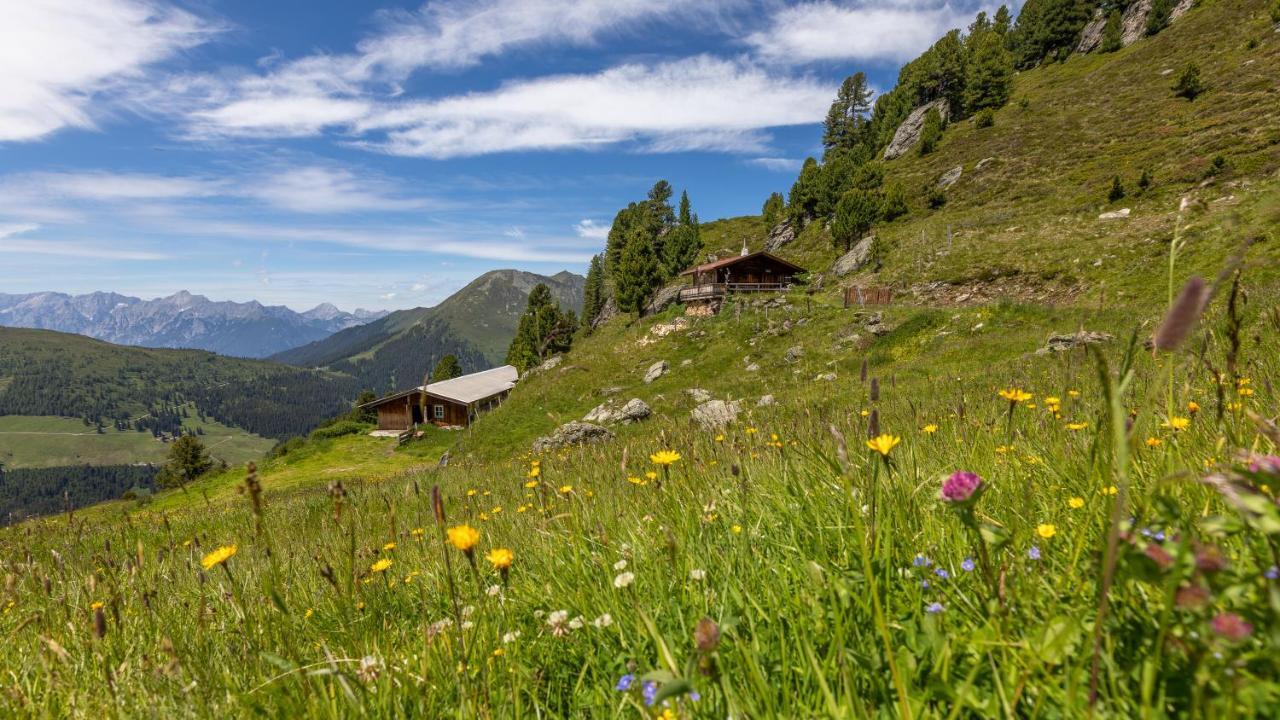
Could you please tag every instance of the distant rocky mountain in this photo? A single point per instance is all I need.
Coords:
(181, 320)
(475, 324)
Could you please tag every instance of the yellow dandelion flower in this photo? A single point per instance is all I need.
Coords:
(500, 558)
(751, 431)
(864, 412)
(737, 529)
(498, 652)
(720, 438)
(1235, 407)
(219, 556)
(95, 605)
(566, 489)
(1016, 395)
(1109, 490)
(531, 484)
(471, 492)
(1075, 503)
(1053, 400)
(1046, 531)
(1245, 392)
(418, 532)
(664, 457)
(1177, 423)
(636, 481)
(1193, 407)
(1154, 442)
(389, 547)
(929, 429)
(1077, 425)
(381, 566)
(463, 537)
(884, 443)
(307, 615)
(651, 475)
(535, 471)
(1073, 393)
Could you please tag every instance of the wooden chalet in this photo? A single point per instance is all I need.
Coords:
(454, 402)
(748, 272)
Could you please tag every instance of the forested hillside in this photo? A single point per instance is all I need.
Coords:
(49, 373)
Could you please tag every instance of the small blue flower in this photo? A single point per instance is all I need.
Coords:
(921, 561)
(967, 565)
(942, 573)
(933, 608)
(650, 691)
(1034, 552)
(624, 682)
(1272, 573)
(924, 584)
(694, 695)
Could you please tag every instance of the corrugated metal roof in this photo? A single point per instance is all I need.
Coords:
(464, 389)
(467, 389)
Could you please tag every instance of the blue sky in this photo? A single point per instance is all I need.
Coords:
(382, 154)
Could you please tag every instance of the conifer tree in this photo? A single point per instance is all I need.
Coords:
(686, 212)
(772, 211)
(446, 369)
(543, 331)
(893, 204)
(805, 194)
(1113, 33)
(990, 74)
(855, 214)
(188, 460)
(846, 120)
(638, 273)
(1002, 21)
(931, 133)
(593, 292)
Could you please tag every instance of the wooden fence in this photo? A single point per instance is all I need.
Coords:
(863, 296)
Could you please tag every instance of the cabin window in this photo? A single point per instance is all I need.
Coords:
(439, 412)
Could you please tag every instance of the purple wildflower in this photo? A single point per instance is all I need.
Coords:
(624, 682)
(650, 692)
(1272, 573)
(1231, 626)
(967, 565)
(1034, 552)
(942, 573)
(924, 584)
(921, 561)
(933, 608)
(961, 486)
(694, 695)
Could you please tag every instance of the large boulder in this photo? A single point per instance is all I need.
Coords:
(607, 413)
(1091, 37)
(656, 371)
(607, 313)
(909, 131)
(663, 298)
(715, 414)
(781, 235)
(855, 259)
(570, 434)
(1065, 343)
(793, 354)
(697, 395)
(950, 177)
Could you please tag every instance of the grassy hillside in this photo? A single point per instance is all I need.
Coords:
(1120, 559)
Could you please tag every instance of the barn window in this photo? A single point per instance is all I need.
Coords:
(439, 412)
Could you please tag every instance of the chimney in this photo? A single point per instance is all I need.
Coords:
(745, 252)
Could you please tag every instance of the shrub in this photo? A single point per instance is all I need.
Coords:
(1189, 84)
(931, 133)
(1145, 182)
(1275, 11)
(936, 197)
(1113, 33)
(1216, 166)
(1117, 189)
(984, 118)
(338, 429)
(284, 448)
(894, 203)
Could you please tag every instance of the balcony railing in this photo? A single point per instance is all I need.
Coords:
(714, 290)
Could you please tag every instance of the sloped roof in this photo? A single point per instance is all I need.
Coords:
(464, 389)
(741, 258)
(467, 389)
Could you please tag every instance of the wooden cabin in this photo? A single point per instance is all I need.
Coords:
(748, 272)
(454, 402)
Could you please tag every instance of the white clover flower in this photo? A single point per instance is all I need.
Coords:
(493, 590)
(603, 621)
(510, 637)
(466, 611)
(467, 625)
(577, 623)
(623, 580)
(539, 613)
(558, 617)
(620, 565)
(697, 574)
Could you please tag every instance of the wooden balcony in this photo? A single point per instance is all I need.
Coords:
(711, 291)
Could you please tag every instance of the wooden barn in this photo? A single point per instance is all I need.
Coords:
(453, 402)
(748, 272)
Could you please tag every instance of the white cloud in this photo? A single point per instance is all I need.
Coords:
(879, 30)
(58, 55)
(698, 103)
(10, 244)
(319, 189)
(776, 164)
(588, 229)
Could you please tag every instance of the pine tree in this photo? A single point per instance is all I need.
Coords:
(1117, 189)
(855, 214)
(622, 224)
(681, 248)
(846, 120)
(1002, 22)
(1189, 84)
(931, 133)
(772, 211)
(893, 204)
(188, 460)
(686, 212)
(1158, 16)
(990, 74)
(805, 193)
(543, 331)
(593, 292)
(638, 274)
(446, 369)
(1113, 33)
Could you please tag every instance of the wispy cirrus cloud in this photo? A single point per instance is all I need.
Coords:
(13, 242)
(776, 164)
(588, 229)
(58, 55)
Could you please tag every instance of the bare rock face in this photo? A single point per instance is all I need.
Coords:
(1063, 343)
(662, 299)
(1180, 9)
(1133, 26)
(606, 413)
(607, 313)
(656, 371)
(855, 259)
(909, 131)
(1091, 38)
(715, 414)
(570, 434)
(780, 236)
(950, 177)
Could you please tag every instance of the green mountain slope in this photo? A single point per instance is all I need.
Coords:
(476, 324)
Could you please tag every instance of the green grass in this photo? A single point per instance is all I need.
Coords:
(44, 441)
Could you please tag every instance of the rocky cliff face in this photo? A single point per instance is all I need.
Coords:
(181, 320)
(909, 131)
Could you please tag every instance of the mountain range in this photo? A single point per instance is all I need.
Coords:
(475, 325)
(181, 320)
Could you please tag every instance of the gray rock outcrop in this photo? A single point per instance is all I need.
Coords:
(1091, 37)
(909, 131)
(715, 414)
(607, 413)
(571, 434)
(663, 298)
(1133, 26)
(855, 259)
(656, 371)
(780, 236)
(698, 395)
(766, 401)
(950, 177)
(1064, 343)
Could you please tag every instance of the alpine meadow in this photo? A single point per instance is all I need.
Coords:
(966, 404)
